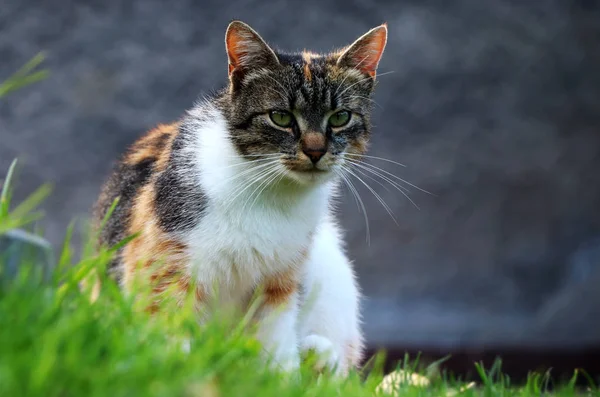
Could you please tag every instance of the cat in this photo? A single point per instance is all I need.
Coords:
(239, 194)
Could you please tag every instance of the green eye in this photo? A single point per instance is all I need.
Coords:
(282, 119)
(339, 119)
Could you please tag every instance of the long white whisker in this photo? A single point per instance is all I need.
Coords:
(366, 98)
(373, 179)
(377, 196)
(396, 177)
(281, 85)
(374, 158)
(248, 171)
(355, 193)
(243, 188)
(352, 85)
(348, 75)
(250, 163)
(278, 173)
(282, 96)
(401, 189)
(266, 155)
(264, 182)
(360, 81)
(376, 173)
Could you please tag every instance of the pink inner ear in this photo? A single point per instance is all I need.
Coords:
(366, 53)
(234, 39)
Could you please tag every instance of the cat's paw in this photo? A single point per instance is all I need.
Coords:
(322, 347)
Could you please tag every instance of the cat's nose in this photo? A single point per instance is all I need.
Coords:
(315, 154)
(314, 146)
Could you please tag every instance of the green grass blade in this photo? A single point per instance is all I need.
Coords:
(4, 196)
(24, 76)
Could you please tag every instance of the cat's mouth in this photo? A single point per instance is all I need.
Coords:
(305, 168)
(304, 173)
(313, 170)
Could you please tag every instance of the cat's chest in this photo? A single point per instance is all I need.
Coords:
(240, 250)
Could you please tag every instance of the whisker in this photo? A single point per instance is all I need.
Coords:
(366, 98)
(239, 189)
(348, 75)
(278, 173)
(375, 158)
(373, 179)
(255, 155)
(356, 195)
(377, 196)
(376, 173)
(401, 189)
(352, 85)
(394, 176)
(248, 171)
(265, 182)
(250, 163)
(243, 188)
(281, 85)
(282, 96)
(360, 81)
(385, 73)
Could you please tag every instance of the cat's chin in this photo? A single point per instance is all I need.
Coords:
(308, 177)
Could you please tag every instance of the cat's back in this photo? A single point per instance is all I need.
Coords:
(140, 166)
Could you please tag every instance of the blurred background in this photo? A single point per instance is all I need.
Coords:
(493, 106)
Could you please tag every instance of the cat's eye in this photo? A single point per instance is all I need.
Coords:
(281, 118)
(339, 119)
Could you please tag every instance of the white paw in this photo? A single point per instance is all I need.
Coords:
(327, 357)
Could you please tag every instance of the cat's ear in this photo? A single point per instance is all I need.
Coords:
(364, 54)
(246, 49)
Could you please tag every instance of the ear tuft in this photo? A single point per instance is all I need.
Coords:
(246, 49)
(364, 54)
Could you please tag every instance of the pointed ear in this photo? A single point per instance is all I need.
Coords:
(246, 49)
(364, 54)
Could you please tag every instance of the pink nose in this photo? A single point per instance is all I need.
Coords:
(314, 145)
(314, 154)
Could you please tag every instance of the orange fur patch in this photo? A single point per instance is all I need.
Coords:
(307, 73)
(154, 257)
(307, 57)
(279, 288)
(156, 144)
(364, 54)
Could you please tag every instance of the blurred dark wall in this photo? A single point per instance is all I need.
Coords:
(494, 106)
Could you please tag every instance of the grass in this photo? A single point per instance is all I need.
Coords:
(55, 342)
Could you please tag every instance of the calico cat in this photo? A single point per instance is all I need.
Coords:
(238, 194)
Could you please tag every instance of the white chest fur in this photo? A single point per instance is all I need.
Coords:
(248, 231)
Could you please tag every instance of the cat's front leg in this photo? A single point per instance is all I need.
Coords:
(329, 319)
(277, 318)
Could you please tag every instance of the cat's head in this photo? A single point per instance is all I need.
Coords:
(307, 111)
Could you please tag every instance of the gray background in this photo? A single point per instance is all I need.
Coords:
(492, 105)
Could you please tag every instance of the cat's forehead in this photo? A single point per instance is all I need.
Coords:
(308, 82)
(314, 70)
(304, 58)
